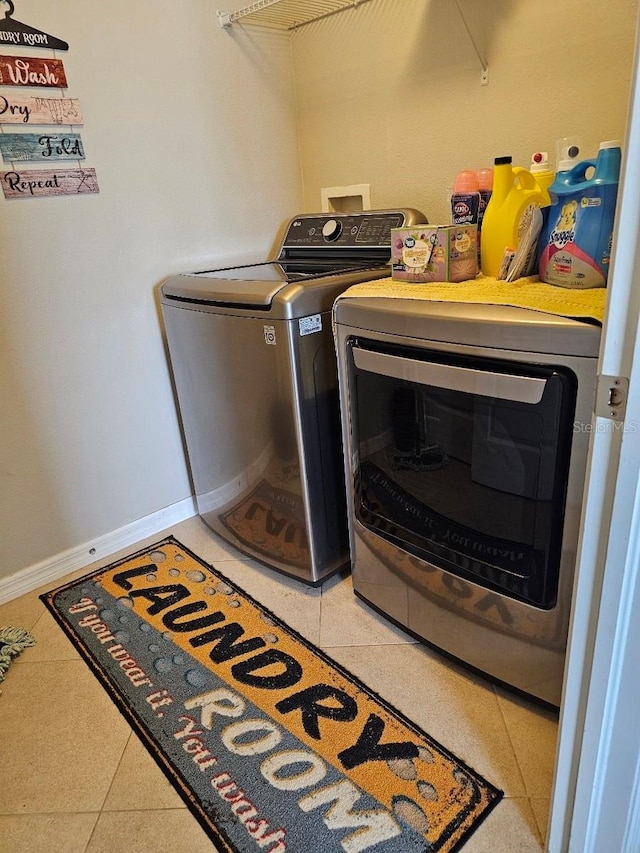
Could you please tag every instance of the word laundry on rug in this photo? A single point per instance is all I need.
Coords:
(272, 745)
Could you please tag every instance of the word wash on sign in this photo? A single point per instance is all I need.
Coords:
(27, 71)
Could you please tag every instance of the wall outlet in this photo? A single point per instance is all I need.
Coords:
(346, 199)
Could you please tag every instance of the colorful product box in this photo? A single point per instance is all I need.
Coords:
(434, 253)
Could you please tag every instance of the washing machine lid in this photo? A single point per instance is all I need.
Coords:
(254, 285)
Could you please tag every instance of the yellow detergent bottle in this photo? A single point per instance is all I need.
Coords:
(516, 193)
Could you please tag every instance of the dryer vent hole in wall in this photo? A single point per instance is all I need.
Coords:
(345, 199)
(346, 203)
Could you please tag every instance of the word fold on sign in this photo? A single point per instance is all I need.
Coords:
(37, 183)
(20, 110)
(16, 147)
(30, 71)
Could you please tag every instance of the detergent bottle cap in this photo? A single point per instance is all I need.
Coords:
(610, 143)
(466, 182)
(485, 179)
(568, 153)
(539, 162)
(503, 161)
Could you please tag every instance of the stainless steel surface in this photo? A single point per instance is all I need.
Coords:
(282, 300)
(513, 642)
(253, 360)
(526, 389)
(498, 327)
(252, 285)
(263, 436)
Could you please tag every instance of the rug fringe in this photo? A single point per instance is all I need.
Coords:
(12, 642)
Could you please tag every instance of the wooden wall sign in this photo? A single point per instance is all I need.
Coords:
(17, 147)
(18, 34)
(22, 110)
(37, 183)
(30, 71)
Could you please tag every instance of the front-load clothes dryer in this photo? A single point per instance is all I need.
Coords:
(253, 361)
(466, 430)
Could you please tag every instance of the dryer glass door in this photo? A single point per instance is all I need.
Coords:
(463, 462)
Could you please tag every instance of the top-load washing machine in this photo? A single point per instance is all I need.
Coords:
(253, 360)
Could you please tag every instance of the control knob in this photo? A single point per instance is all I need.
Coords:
(331, 230)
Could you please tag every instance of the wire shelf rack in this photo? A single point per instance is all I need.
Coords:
(286, 14)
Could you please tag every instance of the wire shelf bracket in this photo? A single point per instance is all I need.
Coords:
(484, 76)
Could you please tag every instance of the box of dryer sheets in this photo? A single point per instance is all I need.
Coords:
(434, 253)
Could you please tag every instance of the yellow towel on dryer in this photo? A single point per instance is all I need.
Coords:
(588, 305)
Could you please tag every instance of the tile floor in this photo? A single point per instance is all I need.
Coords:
(76, 779)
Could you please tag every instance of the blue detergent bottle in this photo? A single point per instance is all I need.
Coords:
(575, 244)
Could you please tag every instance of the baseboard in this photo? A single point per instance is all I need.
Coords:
(47, 571)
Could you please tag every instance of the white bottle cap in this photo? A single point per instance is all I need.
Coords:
(568, 149)
(568, 157)
(610, 143)
(539, 162)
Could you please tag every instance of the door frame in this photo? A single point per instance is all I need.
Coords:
(596, 795)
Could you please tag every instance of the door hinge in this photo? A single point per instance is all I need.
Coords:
(611, 397)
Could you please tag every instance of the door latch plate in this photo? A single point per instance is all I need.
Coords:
(611, 397)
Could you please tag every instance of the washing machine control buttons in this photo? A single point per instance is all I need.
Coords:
(331, 230)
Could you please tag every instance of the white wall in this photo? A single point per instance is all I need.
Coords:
(195, 133)
(191, 129)
(389, 92)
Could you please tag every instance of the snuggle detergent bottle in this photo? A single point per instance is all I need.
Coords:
(515, 194)
(575, 245)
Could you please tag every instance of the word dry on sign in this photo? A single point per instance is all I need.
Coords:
(17, 147)
(19, 110)
(29, 71)
(37, 183)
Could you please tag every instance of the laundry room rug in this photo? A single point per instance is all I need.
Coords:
(272, 745)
